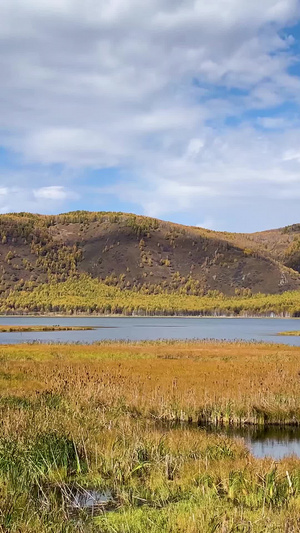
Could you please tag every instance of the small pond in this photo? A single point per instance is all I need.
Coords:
(273, 441)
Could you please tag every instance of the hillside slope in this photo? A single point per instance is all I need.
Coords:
(282, 244)
(134, 253)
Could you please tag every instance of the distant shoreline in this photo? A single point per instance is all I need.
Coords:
(92, 315)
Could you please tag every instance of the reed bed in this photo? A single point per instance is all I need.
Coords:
(290, 333)
(217, 382)
(103, 418)
(9, 328)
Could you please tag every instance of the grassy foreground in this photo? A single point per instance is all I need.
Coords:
(96, 417)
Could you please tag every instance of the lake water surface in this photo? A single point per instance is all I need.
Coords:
(135, 329)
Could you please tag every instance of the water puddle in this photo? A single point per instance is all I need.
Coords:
(90, 500)
(273, 441)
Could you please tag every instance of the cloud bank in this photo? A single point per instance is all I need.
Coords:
(194, 104)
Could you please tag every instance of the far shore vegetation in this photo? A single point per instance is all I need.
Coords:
(85, 295)
(121, 419)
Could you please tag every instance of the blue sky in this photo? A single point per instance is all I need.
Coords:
(185, 110)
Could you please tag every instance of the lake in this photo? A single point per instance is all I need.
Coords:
(153, 328)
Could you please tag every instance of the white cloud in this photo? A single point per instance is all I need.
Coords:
(147, 87)
(54, 192)
(291, 155)
(42, 200)
(240, 164)
(208, 223)
(275, 122)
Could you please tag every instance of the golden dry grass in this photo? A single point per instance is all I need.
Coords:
(9, 328)
(228, 381)
(93, 416)
(289, 333)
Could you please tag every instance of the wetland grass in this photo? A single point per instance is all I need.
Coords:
(290, 333)
(93, 418)
(10, 329)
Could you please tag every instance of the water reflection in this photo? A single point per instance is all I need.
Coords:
(90, 500)
(273, 441)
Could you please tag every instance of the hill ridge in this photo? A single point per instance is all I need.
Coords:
(136, 252)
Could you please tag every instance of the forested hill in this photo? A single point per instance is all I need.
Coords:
(142, 254)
